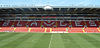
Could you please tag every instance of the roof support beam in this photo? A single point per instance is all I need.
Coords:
(90, 9)
(30, 9)
(22, 9)
(59, 9)
(68, 9)
(37, 9)
(75, 9)
(83, 9)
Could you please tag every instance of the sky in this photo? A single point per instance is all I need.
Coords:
(51, 2)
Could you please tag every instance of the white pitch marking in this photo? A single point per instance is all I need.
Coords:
(50, 41)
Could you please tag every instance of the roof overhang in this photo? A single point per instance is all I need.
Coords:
(55, 10)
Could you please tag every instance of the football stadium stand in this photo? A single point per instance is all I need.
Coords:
(57, 20)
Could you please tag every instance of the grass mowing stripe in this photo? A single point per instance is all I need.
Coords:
(95, 36)
(29, 43)
(57, 41)
(24, 40)
(2, 33)
(7, 36)
(16, 42)
(43, 42)
(69, 42)
(91, 40)
(6, 41)
(81, 41)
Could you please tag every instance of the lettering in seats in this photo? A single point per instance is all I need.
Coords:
(63, 23)
(6, 23)
(92, 23)
(78, 23)
(49, 23)
(19, 23)
(34, 23)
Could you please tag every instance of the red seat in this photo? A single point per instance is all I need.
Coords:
(37, 29)
(6, 29)
(21, 29)
(47, 29)
(91, 30)
(59, 29)
(75, 30)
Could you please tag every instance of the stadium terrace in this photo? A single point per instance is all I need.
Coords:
(50, 19)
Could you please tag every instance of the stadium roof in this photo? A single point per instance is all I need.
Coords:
(54, 10)
(21, 3)
(58, 6)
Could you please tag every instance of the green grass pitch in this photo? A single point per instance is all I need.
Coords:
(49, 40)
